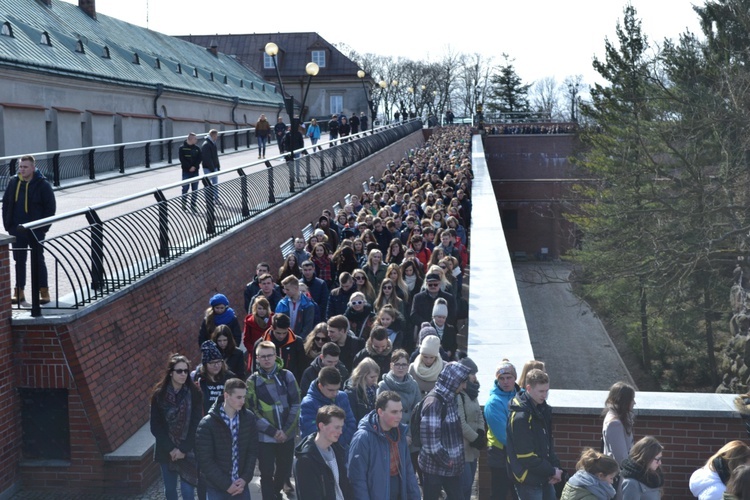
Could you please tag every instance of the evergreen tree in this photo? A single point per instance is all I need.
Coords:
(508, 93)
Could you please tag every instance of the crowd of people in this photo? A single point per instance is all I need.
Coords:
(533, 128)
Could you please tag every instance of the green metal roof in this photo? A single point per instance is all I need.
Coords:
(70, 30)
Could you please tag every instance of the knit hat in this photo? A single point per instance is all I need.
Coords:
(210, 352)
(319, 232)
(470, 364)
(219, 299)
(425, 331)
(506, 368)
(430, 346)
(440, 309)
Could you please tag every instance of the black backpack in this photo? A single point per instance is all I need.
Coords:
(415, 421)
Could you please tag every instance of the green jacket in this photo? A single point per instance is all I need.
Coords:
(571, 492)
(274, 399)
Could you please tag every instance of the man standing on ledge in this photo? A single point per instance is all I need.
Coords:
(28, 197)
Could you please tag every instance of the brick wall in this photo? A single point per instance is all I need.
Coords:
(110, 355)
(688, 442)
(10, 417)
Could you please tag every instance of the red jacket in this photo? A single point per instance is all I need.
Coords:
(253, 332)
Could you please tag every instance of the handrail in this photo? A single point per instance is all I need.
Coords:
(105, 255)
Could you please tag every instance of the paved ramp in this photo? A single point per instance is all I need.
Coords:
(564, 331)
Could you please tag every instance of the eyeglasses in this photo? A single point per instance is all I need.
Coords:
(358, 302)
(267, 356)
(400, 365)
(658, 459)
(215, 362)
(322, 339)
(181, 371)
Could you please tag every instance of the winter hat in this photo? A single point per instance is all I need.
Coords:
(219, 299)
(506, 368)
(430, 346)
(470, 364)
(319, 232)
(425, 331)
(432, 277)
(210, 352)
(440, 308)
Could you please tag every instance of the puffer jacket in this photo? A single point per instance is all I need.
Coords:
(496, 413)
(369, 462)
(314, 479)
(442, 451)
(530, 447)
(39, 202)
(313, 401)
(706, 484)
(213, 446)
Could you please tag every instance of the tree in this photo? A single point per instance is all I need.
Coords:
(545, 96)
(508, 93)
(473, 81)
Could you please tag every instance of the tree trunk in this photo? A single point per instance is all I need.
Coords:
(645, 351)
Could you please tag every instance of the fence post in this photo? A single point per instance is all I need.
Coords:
(121, 158)
(236, 141)
(247, 138)
(271, 197)
(221, 143)
(163, 223)
(92, 167)
(97, 251)
(209, 191)
(55, 169)
(12, 166)
(169, 151)
(36, 247)
(148, 155)
(290, 165)
(243, 193)
(308, 166)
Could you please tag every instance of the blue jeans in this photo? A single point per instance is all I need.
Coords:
(212, 494)
(534, 492)
(214, 181)
(467, 478)
(193, 185)
(262, 140)
(170, 485)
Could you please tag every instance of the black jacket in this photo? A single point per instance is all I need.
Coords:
(311, 374)
(338, 301)
(530, 447)
(421, 307)
(312, 475)
(213, 446)
(350, 349)
(41, 202)
(160, 430)
(210, 155)
(190, 156)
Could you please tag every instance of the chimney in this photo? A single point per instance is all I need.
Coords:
(214, 48)
(48, 3)
(89, 7)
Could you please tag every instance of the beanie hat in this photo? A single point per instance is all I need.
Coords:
(506, 368)
(319, 232)
(219, 299)
(470, 364)
(440, 308)
(430, 346)
(210, 352)
(425, 331)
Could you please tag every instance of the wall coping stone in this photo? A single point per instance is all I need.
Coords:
(135, 447)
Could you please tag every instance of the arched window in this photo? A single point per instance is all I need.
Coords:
(105, 52)
(79, 47)
(7, 29)
(136, 58)
(45, 39)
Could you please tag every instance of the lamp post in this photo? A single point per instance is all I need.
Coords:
(368, 98)
(311, 69)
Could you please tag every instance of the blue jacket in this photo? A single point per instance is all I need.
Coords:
(496, 412)
(313, 401)
(305, 320)
(369, 462)
(313, 132)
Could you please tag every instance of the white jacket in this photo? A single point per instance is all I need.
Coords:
(705, 484)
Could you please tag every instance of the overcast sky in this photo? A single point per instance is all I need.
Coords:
(546, 37)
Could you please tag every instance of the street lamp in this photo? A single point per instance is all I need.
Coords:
(312, 69)
(368, 98)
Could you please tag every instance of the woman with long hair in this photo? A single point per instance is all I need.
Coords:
(233, 357)
(363, 285)
(362, 387)
(262, 129)
(211, 374)
(256, 325)
(388, 295)
(176, 409)
(219, 313)
(315, 341)
(738, 487)
(642, 477)
(527, 367)
(393, 272)
(344, 259)
(360, 315)
(395, 253)
(388, 317)
(359, 252)
(290, 268)
(375, 268)
(709, 482)
(617, 429)
(323, 264)
(595, 473)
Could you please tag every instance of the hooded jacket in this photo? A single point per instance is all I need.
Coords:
(314, 478)
(36, 201)
(312, 371)
(274, 399)
(586, 486)
(706, 484)
(496, 413)
(213, 446)
(369, 462)
(313, 401)
(305, 319)
(529, 441)
(442, 452)
(383, 359)
(291, 350)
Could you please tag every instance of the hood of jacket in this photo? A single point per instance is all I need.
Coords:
(316, 395)
(307, 447)
(376, 355)
(452, 376)
(371, 423)
(290, 338)
(704, 479)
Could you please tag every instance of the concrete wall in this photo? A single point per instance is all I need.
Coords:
(111, 354)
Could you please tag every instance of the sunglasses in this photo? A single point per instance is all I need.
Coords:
(322, 339)
(360, 278)
(358, 302)
(387, 287)
(181, 371)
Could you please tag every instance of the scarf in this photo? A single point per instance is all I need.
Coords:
(394, 453)
(632, 470)
(600, 489)
(410, 281)
(371, 392)
(403, 387)
(177, 409)
(323, 267)
(426, 373)
(472, 389)
(224, 318)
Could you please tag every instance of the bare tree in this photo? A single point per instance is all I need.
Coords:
(545, 97)
(473, 81)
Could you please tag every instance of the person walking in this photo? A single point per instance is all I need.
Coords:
(210, 157)
(262, 131)
(190, 161)
(27, 198)
(313, 132)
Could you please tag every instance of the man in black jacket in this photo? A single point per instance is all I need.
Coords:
(190, 161)
(333, 130)
(226, 444)
(210, 157)
(29, 197)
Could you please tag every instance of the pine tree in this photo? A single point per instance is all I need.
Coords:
(508, 93)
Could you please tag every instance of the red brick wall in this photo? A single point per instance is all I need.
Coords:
(116, 350)
(10, 417)
(688, 442)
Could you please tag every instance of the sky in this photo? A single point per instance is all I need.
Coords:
(545, 37)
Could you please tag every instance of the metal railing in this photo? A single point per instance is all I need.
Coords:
(106, 254)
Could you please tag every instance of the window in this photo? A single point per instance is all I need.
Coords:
(195, 72)
(105, 53)
(136, 58)
(337, 104)
(79, 47)
(157, 63)
(319, 58)
(179, 68)
(7, 29)
(509, 219)
(268, 61)
(45, 424)
(45, 39)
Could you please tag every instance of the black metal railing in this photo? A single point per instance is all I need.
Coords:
(106, 254)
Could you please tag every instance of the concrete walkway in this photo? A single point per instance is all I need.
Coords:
(564, 331)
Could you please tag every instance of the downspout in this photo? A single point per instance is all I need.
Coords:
(235, 103)
(159, 92)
